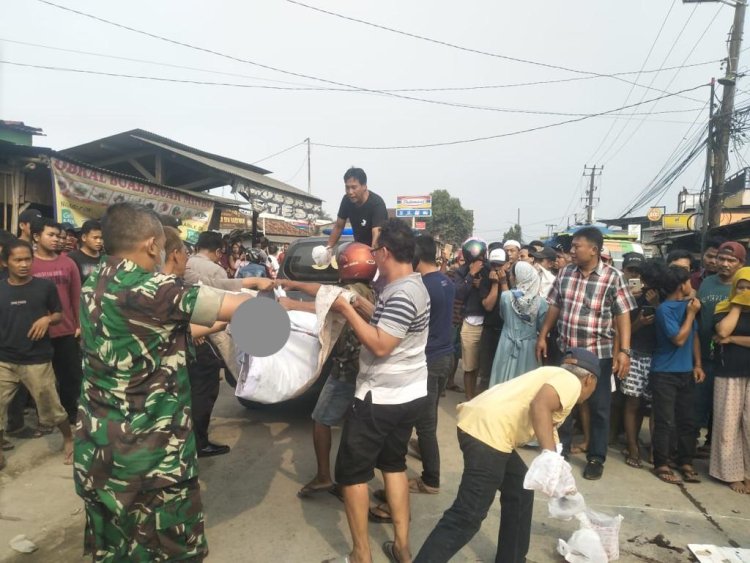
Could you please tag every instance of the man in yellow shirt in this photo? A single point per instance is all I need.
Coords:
(490, 429)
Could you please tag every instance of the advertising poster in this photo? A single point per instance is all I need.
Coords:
(83, 193)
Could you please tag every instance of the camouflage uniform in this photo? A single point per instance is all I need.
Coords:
(345, 355)
(135, 463)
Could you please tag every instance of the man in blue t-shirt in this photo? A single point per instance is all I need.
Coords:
(439, 352)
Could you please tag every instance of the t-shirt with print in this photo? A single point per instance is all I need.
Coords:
(500, 417)
(85, 263)
(372, 213)
(669, 357)
(63, 272)
(403, 311)
(20, 307)
(442, 292)
(711, 292)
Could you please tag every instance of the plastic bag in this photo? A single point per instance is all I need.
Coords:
(322, 256)
(584, 546)
(608, 529)
(565, 508)
(550, 474)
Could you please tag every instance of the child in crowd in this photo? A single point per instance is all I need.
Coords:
(675, 368)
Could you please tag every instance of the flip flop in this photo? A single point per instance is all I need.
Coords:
(389, 548)
(579, 450)
(6, 446)
(342, 559)
(665, 474)
(336, 491)
(384, 517)
(689, 475)
(307, 491)
(634, 462)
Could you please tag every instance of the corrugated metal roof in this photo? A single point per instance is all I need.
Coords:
(20, 127)
(257, 179)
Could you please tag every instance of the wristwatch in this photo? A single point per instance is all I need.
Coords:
(626, 351)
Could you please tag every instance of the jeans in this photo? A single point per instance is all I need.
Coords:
(599, 405)
(673, 408)
(66, 361)
(486, 470)
(438, 372)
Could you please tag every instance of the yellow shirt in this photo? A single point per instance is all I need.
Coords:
(500, 418)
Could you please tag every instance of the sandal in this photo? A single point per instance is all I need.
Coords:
(667, 475)
(634, 462)
(689, 475)
(389, 548)
(6, 446)
(309, 490)
(336, 491)
(41, 431)
(579, 449)
(380, 514)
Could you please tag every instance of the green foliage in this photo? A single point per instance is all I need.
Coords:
(514, 233)
(450, 222)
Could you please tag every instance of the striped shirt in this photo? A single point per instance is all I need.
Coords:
(403, 311)
(588, 306)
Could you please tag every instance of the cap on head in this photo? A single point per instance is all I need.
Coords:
(545, 253)
(735, 249)
(28, 215)
(583, 359)
(510, 243)
(497, 256)
(633, 260)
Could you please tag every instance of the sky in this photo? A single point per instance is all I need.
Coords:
(539, 172)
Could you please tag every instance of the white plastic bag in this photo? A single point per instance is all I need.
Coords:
(565, 508)
(322, 256)
(550, 474)
(607, 528)
(584, 546)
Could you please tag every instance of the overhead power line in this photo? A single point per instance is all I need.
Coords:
(304, 86)
(258, 64)
(280, 152)
(459, 47)
(291, 88)
(509, 134)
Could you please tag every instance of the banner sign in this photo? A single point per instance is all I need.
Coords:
(420, 225)
(413, 212)
(231, 219)
(414, 202)
(278, 203)
(84, 193)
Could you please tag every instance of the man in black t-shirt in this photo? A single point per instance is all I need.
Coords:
(365, 210)
(88, 256)
(28, 306)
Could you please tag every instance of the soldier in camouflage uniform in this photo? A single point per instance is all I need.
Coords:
(135, 463)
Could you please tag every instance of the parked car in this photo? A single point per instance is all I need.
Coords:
(298, 266)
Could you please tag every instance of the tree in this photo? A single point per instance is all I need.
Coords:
(450, 222)
(514, 233)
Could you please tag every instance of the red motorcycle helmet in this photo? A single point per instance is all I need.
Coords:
(356, 262)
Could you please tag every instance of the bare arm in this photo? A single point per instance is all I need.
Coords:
(198, 331)
(295, 305)
(725, 327)
(542, 406)
(335, 235)
(622, 327)
(229, 304)
(364, 307)
(379, 342)
(308, 288)
(743, 341)
(375, 236)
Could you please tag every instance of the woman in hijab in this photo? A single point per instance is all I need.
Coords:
(730, 447)
(523, 311)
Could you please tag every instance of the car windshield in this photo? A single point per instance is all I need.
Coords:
(298, 264)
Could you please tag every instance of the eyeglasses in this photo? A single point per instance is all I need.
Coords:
(374, 250)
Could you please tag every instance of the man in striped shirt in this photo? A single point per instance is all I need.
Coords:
(390, 394)
(590, 304)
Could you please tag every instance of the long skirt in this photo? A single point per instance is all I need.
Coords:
(730, 447)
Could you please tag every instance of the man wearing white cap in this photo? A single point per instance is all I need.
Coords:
(512, 248)
(490, 288)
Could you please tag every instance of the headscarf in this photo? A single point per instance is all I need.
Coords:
(525, 300)
(742, 299)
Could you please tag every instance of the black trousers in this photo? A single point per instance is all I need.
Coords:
(486, 471)
(66, 362)
(204, 390)
(674, 415)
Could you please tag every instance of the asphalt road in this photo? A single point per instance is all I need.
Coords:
(254, 515)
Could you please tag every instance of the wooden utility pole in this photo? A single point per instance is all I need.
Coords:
(591, 172)
(709, 166)
(723, 121)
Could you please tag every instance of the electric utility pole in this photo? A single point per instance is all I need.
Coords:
(591, 172)
(723, 121)
(309, 185)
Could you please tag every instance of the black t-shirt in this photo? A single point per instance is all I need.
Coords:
(20, 307)
(466, 292)
(643, 340)
(733, 360)
(364, 218)
(85, 263)
(491, 318)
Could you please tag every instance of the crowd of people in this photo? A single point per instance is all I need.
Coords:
(118, 328)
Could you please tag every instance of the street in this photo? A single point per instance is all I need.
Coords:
(253, 513)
